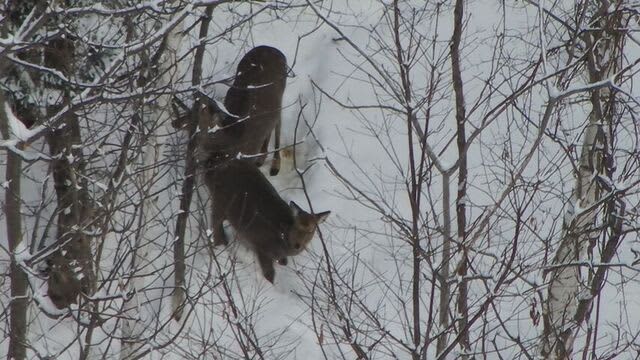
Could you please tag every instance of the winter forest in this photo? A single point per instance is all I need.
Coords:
(480, 161)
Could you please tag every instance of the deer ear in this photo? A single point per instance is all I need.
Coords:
(321, 217)
(295, 208)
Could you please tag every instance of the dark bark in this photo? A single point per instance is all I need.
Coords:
(71, 271)
(19, 300)
(414, 185)
(456, 72)
(189, 175)
(19, 282)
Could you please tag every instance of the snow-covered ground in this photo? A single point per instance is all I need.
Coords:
(230, 304)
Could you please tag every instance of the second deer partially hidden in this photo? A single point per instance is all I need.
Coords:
(253, 109)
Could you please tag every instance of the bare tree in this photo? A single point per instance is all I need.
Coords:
(194, 123)
(507, 150)
(479, 159)
(64, 81)
(95, 82)
(19, 303)
(593, 222)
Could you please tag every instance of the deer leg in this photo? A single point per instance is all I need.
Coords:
(266, 264)
(275, 164)
(263, 151)
(217, 218)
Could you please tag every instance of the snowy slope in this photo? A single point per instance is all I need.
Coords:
(230, 304)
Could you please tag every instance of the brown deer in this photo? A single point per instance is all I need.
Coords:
(263, 221)
(252, 109)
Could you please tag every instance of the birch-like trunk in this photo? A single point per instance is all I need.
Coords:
(565, 281)
(570, 292)
(157, 116)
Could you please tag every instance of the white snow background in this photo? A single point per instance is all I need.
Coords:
(359, 239)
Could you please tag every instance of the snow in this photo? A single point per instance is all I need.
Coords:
(16, 127)
(369, 252)
(21, 253)
(258, 86)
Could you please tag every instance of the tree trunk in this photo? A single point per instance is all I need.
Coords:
(178, 299)
(565, 280)
(155, 117)
(19, 299)
(461, 214)
(570, 294)
(71, 265)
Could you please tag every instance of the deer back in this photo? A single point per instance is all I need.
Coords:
(253, 103)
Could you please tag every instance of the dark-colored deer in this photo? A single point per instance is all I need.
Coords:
(253, 109)
(269, 226)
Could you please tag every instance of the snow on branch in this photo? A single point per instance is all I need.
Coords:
(87, 97)
(18, 134)
(156, 6)
(553, 101)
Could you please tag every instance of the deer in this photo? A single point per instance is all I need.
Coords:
(271, 228)
(252, 110)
